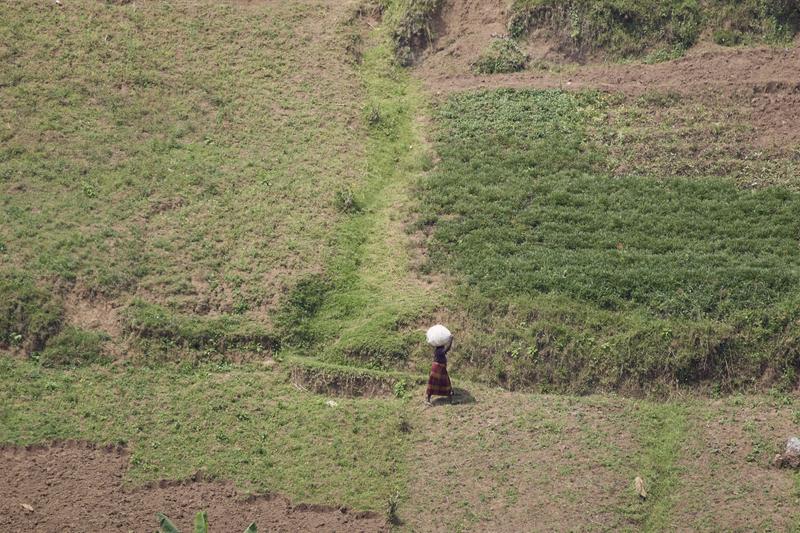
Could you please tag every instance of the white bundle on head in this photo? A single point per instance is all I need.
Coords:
(438, 335)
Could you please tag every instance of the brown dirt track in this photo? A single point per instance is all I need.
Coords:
(76, 486)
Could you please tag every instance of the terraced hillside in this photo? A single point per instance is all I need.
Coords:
(226, 226)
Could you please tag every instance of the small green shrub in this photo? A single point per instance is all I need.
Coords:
(29, 315)
(727, 37)
(503, 56)
(354, 47)
(74, 347)
(663, 55)
(345, 201)
(401, 389)
(392, 506)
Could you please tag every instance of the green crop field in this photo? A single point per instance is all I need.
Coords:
(596, 278)
(225, 227)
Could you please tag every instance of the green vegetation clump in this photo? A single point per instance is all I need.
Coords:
(626, 28)
(576, 278)
(619, 27)
(74, 347)
(410, 23)
(346, 201)
(164, 332)
(503, 56)
(29, 314)
(728, 37)
(295, 319)
(748, 21)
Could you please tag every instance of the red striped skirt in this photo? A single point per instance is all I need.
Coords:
(439, 381)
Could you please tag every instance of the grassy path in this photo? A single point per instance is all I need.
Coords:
(662, 432)
(373, 293)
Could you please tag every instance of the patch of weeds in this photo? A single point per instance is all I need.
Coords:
(728, 37)
(345, 201)
(404, 425)
(392, 506)
(411, 27)
(354, 47)
(373, 115)
(663, 55)
(74, 347)
(401, 389)
(659, 98)
(760, 448)
(621, 28)
(741, 22)
(161, 332)
(503, 56)
(295, 318)
(29, 314)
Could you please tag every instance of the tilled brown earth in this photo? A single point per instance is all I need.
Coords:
(73, 486)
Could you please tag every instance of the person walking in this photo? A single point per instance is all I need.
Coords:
(439, 381)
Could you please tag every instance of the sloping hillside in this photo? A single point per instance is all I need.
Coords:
(226, 226)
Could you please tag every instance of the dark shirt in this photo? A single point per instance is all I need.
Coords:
(440, 354)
